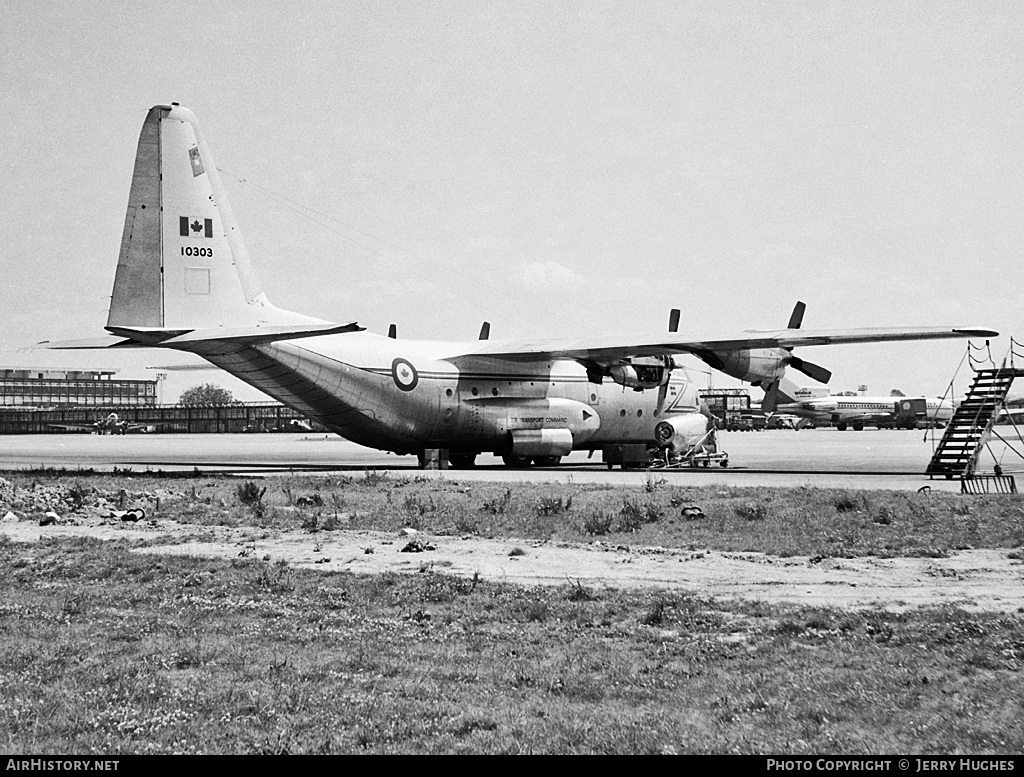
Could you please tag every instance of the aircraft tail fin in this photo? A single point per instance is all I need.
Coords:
(789, 392)
(183, 263)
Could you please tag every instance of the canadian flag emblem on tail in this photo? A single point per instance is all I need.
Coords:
(194, 227)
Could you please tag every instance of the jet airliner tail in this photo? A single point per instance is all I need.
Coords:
(790, 392)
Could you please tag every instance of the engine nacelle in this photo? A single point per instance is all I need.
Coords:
(640, 374)
(753, 365)
(686, 432)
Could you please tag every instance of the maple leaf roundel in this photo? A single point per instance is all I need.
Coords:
(404, 374)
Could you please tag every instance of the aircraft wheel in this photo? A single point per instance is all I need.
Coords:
(841, 427)
(858, 427)
(547, 461)
(516, 462)
(725, 463)
(462, 460)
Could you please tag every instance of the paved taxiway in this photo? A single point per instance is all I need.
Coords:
(824, 458)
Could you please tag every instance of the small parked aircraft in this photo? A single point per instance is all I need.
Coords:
(856, 412)
(112, 424)
(184, 281)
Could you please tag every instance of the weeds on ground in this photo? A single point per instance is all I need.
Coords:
(553, 505)
(120, 652)
(784, 522)
(251, 495)
(751, 511)
(500, 505)
(597, 523)
(634, 515)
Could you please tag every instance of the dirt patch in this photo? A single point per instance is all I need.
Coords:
(978, 580)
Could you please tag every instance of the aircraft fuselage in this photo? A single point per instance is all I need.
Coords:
(842, 409)
(405, 396)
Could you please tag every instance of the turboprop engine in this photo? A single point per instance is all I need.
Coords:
(759, 366)
(686, 432)
(753, 365)
(641, 373)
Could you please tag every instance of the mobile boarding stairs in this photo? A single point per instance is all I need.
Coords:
(969, 433)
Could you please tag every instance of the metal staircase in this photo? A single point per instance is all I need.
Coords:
(957, 453)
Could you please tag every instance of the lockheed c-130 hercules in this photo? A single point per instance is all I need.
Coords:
(184, 281)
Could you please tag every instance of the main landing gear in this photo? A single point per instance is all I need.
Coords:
(439, 458)
(522, 462)
(462, 460)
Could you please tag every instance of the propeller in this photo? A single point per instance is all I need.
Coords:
(810, 369)
(796, 318)
(771, 398)
(673, 326)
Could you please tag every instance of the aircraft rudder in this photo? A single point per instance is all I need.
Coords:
(137, 297)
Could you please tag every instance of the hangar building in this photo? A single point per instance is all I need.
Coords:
(30, 387)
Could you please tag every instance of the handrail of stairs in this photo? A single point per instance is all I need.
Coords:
(987, 357)
(1014, 352)
(932, 422)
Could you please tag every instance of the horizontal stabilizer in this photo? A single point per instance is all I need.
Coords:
(155, 337)
(192, 367)
(90, 343)
(177, 338)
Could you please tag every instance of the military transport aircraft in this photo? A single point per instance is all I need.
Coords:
(184, 281)
(857, 412)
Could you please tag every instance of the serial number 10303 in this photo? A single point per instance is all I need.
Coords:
(193, 251)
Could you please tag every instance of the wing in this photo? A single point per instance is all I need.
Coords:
(613, 348)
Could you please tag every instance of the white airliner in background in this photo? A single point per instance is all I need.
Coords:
(184, 281)
(817, 405)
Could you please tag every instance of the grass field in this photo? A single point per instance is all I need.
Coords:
(106, 651)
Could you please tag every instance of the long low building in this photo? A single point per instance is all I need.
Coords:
(28, 387)
(208, 419)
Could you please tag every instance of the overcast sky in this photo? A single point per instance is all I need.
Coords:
(555, 168)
